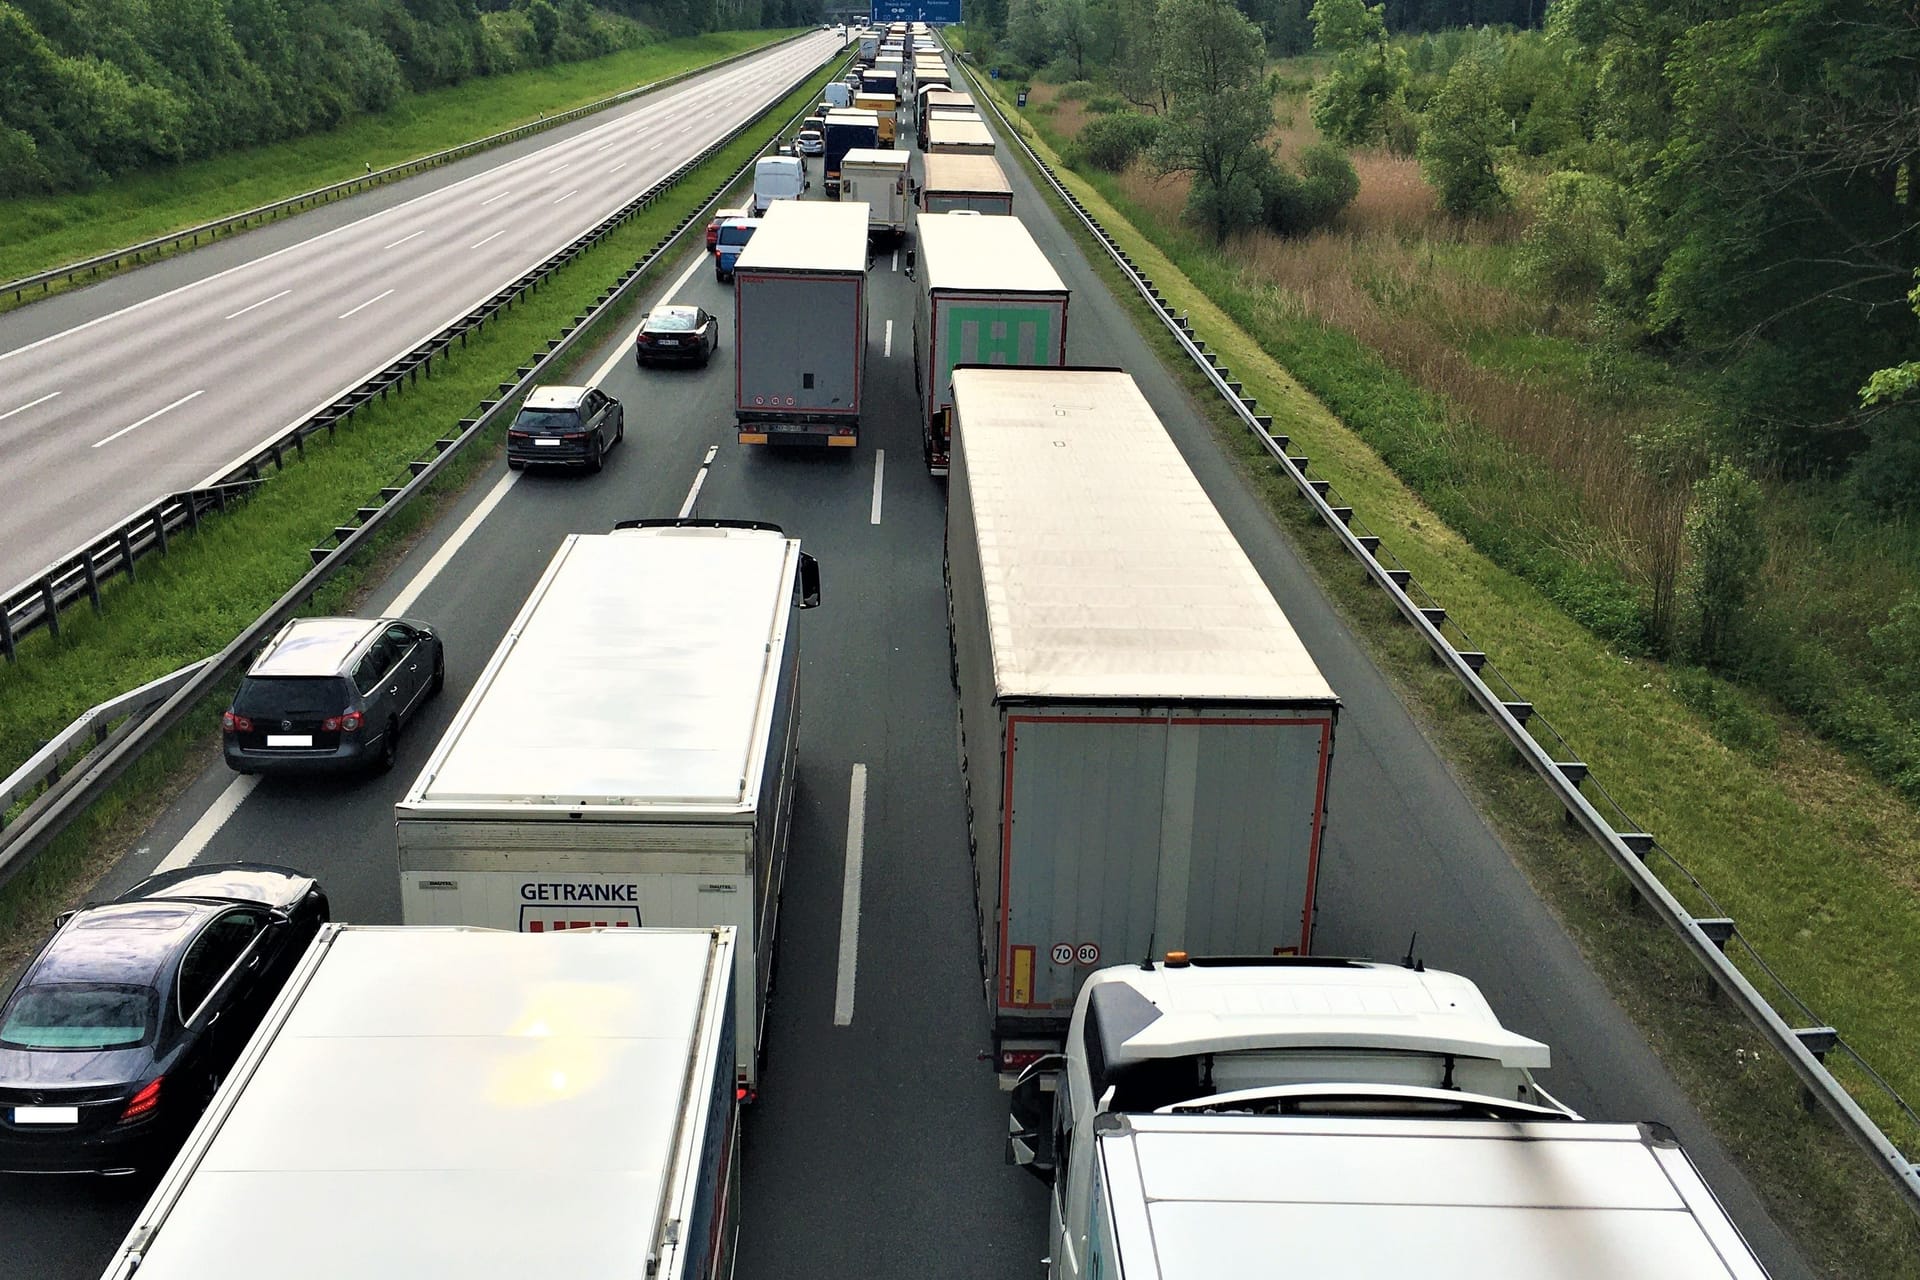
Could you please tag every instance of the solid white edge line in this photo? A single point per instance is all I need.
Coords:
(879, 470)
(850, 897)
(625, 348)
(201, 833)
(28, 405)
(150, 417)
(410, 593)
(403, 239)
(263, 302)
(489, 240)
(346, 315)
(887, 349)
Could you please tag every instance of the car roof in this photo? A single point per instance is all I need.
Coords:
(555, 398)
(313, 646)
(673, 309)
(246, 882)
(124, 942)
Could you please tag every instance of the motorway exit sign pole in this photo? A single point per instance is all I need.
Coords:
(928, 11)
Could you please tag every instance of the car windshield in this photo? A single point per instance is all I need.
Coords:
(74, 1015)
(735, 235)
(670, 321)
(547, 420)
(291, 696)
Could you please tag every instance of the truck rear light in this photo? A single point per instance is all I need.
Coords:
(348, 722)
(143, 1103)
(232, 723)
(1018, 1060)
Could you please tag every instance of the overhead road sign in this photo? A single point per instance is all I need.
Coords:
(928, 11)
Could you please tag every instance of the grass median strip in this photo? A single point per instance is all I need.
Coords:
(43, 232)
(1813, 857)
(195, 599)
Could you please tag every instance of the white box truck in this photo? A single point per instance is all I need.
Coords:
(958, 135)
(1144, 738)
(879, 180)
(974, 184)
(777, 178)
(627, 757)
(1262, 1119)
(465, 1102)
(800, 326)
(988, 296)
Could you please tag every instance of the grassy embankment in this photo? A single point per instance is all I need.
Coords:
(41, 232)
(1812, 856)
(194, 600)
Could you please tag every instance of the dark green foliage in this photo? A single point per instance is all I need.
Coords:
(1731, 714)
(1215, 78)
(1578, 239)
(1302, 200)
(1728, 547)
(1463, 130)
(1116, 141)
(1368, 75)
(1074, 90)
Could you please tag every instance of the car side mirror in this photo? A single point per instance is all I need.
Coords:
(809, 585)
(1030, 1118)
(60, 921)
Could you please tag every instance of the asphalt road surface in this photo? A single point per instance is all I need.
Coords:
(115, 410)
(876, 1147)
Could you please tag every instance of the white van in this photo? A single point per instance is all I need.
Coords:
(777, 178)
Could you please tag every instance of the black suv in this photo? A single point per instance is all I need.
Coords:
(332, 693)
(565, 427)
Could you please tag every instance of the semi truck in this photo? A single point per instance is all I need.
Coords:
(988, 296)
(845, 131)
(1259, 1118)
(878, 179)
(886, 112)
(869, 45)
(1145, 742)
(468, 1102)
(628, 755)
(941, 102)
(958, 135)
(800, 326)
(973, 183)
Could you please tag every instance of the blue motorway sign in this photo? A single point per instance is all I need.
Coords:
(916, 10)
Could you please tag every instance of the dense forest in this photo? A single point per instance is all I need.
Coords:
(94, 88)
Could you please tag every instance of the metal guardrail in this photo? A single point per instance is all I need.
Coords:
(69, 792)
(190, 236)
(1805, 1048)
(37, 601)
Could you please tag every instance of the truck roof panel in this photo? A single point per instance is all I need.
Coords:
(1108, 572)
(946, 171)
(954, 131)
(456, 1102)
(809, 235)
(968, 251)
(642, 674)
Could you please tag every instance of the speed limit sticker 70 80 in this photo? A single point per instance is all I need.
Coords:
(1063, 953)
(1067, 953)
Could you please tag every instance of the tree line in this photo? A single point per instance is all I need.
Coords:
(90, 89)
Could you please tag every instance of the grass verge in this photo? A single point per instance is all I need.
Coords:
(39, 233)
(1813, 857)
(194, 600)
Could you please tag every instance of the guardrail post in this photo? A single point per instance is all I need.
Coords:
(1820, 1041)
(160, 527)
(93, 579)
(7, 641)
(51, 603)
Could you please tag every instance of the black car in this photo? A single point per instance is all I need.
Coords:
(565, 427)
(332, 693)
(676, 334)
(117, 1034)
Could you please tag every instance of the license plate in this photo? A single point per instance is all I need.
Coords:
(46, 1115)
(289, 739)
(545, 444)
(668, 342)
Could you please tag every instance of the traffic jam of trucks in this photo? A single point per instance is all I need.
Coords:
(569, 1025)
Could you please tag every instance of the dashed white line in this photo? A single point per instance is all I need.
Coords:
(150, 417)
(490, 199)
(617, 168)
(431, 569)
(201, 833)
(263, 302)
(887, 348)
(603, 146)
(896, 260)
(557, 168)
(362, 307)
(850, 898)
(699, 479)
(28, 405)
(568, 196)
(489, 240)
(879, 470)
(403, 239)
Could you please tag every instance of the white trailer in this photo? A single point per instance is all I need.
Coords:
(461, 1102)
(627, 758)
(1345, 1121)
(1145, 739)
(958, 135)
(974, 184)
(988, 295)
(879, 180)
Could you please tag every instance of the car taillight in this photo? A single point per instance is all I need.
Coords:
(644, 339)
(347, 723)
(142, 1103)
(1017, 1060)
(232, 723)
(574, 435)
(519, 435)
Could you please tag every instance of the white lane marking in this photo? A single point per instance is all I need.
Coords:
(502, 196)
(626, 346)
(201, 833)
(617, 168)
(896, 260)
(557, 168)
(263, 302)
(700, 479)
(431, 569)
(850, 898)
(489, 240)
(887, 349)
(28, 405)
(403, 239)
(879, 470)
(362, 307)
(603, 146)
(656, 146)
(568, 196)
(150, 417)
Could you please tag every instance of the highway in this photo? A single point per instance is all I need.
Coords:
(875, 1149)
(111, 411)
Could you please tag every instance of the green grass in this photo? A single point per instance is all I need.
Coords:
(1814, 858)
(42, 232)
(195, 599)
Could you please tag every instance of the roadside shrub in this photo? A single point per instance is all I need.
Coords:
(1728, 545)
(1400, 129)
(1235, 207)
(1458, 140)
(1302, 200)
(1075, 90)
(1896, 649)
(1577, 239)
(1105, 104)
(1886, 476)
(1113, 142)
